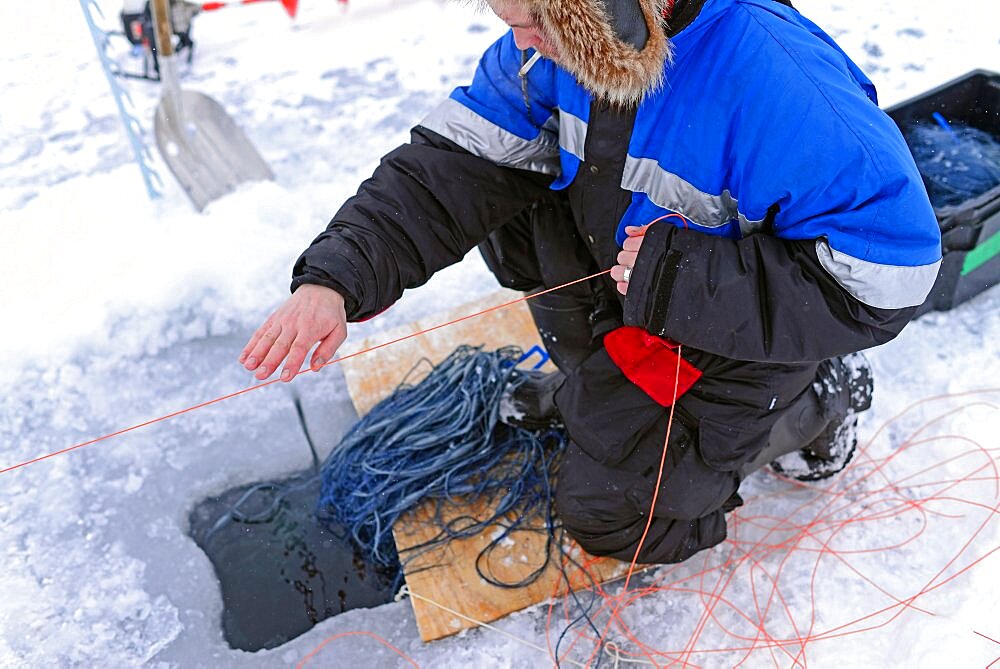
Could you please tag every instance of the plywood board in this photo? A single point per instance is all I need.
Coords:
(447, 574)
(372, 377)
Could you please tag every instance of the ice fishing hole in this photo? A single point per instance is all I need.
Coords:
(282, 574)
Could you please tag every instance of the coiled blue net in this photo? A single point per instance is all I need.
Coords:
(958, 162)
(441, 440)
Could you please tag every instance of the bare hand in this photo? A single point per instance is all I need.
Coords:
(628, 255)
(312, 314)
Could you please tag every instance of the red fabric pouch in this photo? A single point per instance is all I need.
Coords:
(651, 363)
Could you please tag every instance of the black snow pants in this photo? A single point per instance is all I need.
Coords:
(617, 433)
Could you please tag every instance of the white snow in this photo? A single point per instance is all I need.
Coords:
(116, 310)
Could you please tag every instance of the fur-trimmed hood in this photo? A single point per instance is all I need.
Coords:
(591, 37)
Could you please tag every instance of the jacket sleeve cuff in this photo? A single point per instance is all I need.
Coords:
(652, 280)
(344, 279)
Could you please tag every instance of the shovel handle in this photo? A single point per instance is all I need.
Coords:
(161, 21)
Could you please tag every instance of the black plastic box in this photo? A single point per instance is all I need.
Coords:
(971, 230)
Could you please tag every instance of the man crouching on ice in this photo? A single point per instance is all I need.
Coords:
(789, 229)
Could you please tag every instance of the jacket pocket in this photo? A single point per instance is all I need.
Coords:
(726, 447)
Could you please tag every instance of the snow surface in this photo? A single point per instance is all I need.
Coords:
(118, 310)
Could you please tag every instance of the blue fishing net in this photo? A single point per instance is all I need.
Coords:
(957, 162)
(440, 440)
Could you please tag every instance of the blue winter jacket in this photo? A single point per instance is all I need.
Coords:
(801, 229)
(760, 109)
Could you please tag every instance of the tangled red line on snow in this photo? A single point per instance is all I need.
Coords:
(737, 602)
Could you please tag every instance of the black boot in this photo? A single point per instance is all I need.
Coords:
(530, 400)
(563, 322)
(572, 327)
(843, 388)
(800, 424)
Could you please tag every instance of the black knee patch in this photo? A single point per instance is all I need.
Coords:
(605, 509)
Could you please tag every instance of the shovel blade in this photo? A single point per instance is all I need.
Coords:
(204, 148)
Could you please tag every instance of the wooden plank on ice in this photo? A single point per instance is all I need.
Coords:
(372, 377)
(447, 574)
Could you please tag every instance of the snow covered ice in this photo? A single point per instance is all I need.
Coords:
(117, 310)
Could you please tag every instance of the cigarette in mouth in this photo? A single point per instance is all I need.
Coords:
(528, 65)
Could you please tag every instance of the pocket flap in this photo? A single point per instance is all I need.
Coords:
(725, 447)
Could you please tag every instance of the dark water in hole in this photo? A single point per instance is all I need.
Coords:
(282, 576)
